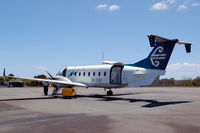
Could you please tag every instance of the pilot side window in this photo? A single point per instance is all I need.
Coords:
(104, 73)
(88, 73)
(93, 73)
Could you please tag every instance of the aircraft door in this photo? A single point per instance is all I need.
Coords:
(116, 74)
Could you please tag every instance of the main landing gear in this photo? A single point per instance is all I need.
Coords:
(109, 93)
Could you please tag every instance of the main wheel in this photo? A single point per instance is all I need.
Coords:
(109, 93)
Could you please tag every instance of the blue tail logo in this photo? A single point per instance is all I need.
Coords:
(157, 55)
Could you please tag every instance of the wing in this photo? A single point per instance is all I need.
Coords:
(65, 82)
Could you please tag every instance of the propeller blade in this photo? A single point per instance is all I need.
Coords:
(4, 72)
(50, 75)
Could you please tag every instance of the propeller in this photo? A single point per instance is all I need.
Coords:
(46, 84)
(4, 72)
(50, 75)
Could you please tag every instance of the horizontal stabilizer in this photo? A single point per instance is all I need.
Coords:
(153, 39)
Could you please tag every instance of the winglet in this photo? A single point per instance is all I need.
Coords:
(187, 46)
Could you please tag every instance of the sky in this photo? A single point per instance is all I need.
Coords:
(39, 35)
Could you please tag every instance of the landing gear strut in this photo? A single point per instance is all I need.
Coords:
(109, 93)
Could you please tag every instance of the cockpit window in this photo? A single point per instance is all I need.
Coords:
(64, 72)
(59, 73)
(70, 74)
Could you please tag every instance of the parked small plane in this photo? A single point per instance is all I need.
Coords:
(116, 74)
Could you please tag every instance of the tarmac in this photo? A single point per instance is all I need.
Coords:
(129, 110)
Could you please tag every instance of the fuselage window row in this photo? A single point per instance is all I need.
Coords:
(79, 74)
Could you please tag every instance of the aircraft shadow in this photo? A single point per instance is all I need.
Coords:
(150, 103)
(34, 98)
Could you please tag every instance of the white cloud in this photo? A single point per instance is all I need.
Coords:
(160, 6)
(113, 8)
(167, 4)
(179, 65)
(195, 4)
(182, 7)
(108, 8)
(101, 6)
(42, 68)
(182, 70)
(171, 1)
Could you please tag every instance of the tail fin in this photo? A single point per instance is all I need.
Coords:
(160, 55)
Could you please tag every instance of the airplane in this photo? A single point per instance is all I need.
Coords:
(112, 74)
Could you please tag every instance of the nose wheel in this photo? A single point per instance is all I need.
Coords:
(109, 93)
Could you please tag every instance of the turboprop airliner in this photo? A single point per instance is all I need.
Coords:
(112, 74)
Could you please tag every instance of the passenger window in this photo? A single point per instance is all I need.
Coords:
(93, 73)
(75, 74)
(79, 73)
(88, 73)
(99, 74)
(71, 74)
(104, 73)
(84, 74)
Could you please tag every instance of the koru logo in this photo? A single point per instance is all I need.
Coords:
(157, 55)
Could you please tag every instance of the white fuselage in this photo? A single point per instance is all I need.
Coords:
(111, 76)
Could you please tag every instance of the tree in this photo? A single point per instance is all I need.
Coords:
(35, 83)
(196, 81)
(167, 82)
(1, 81)
(185, 82)
(12, 75)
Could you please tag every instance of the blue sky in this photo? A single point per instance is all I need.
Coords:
(51, 34)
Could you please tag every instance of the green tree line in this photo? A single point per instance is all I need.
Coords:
(184, 82)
